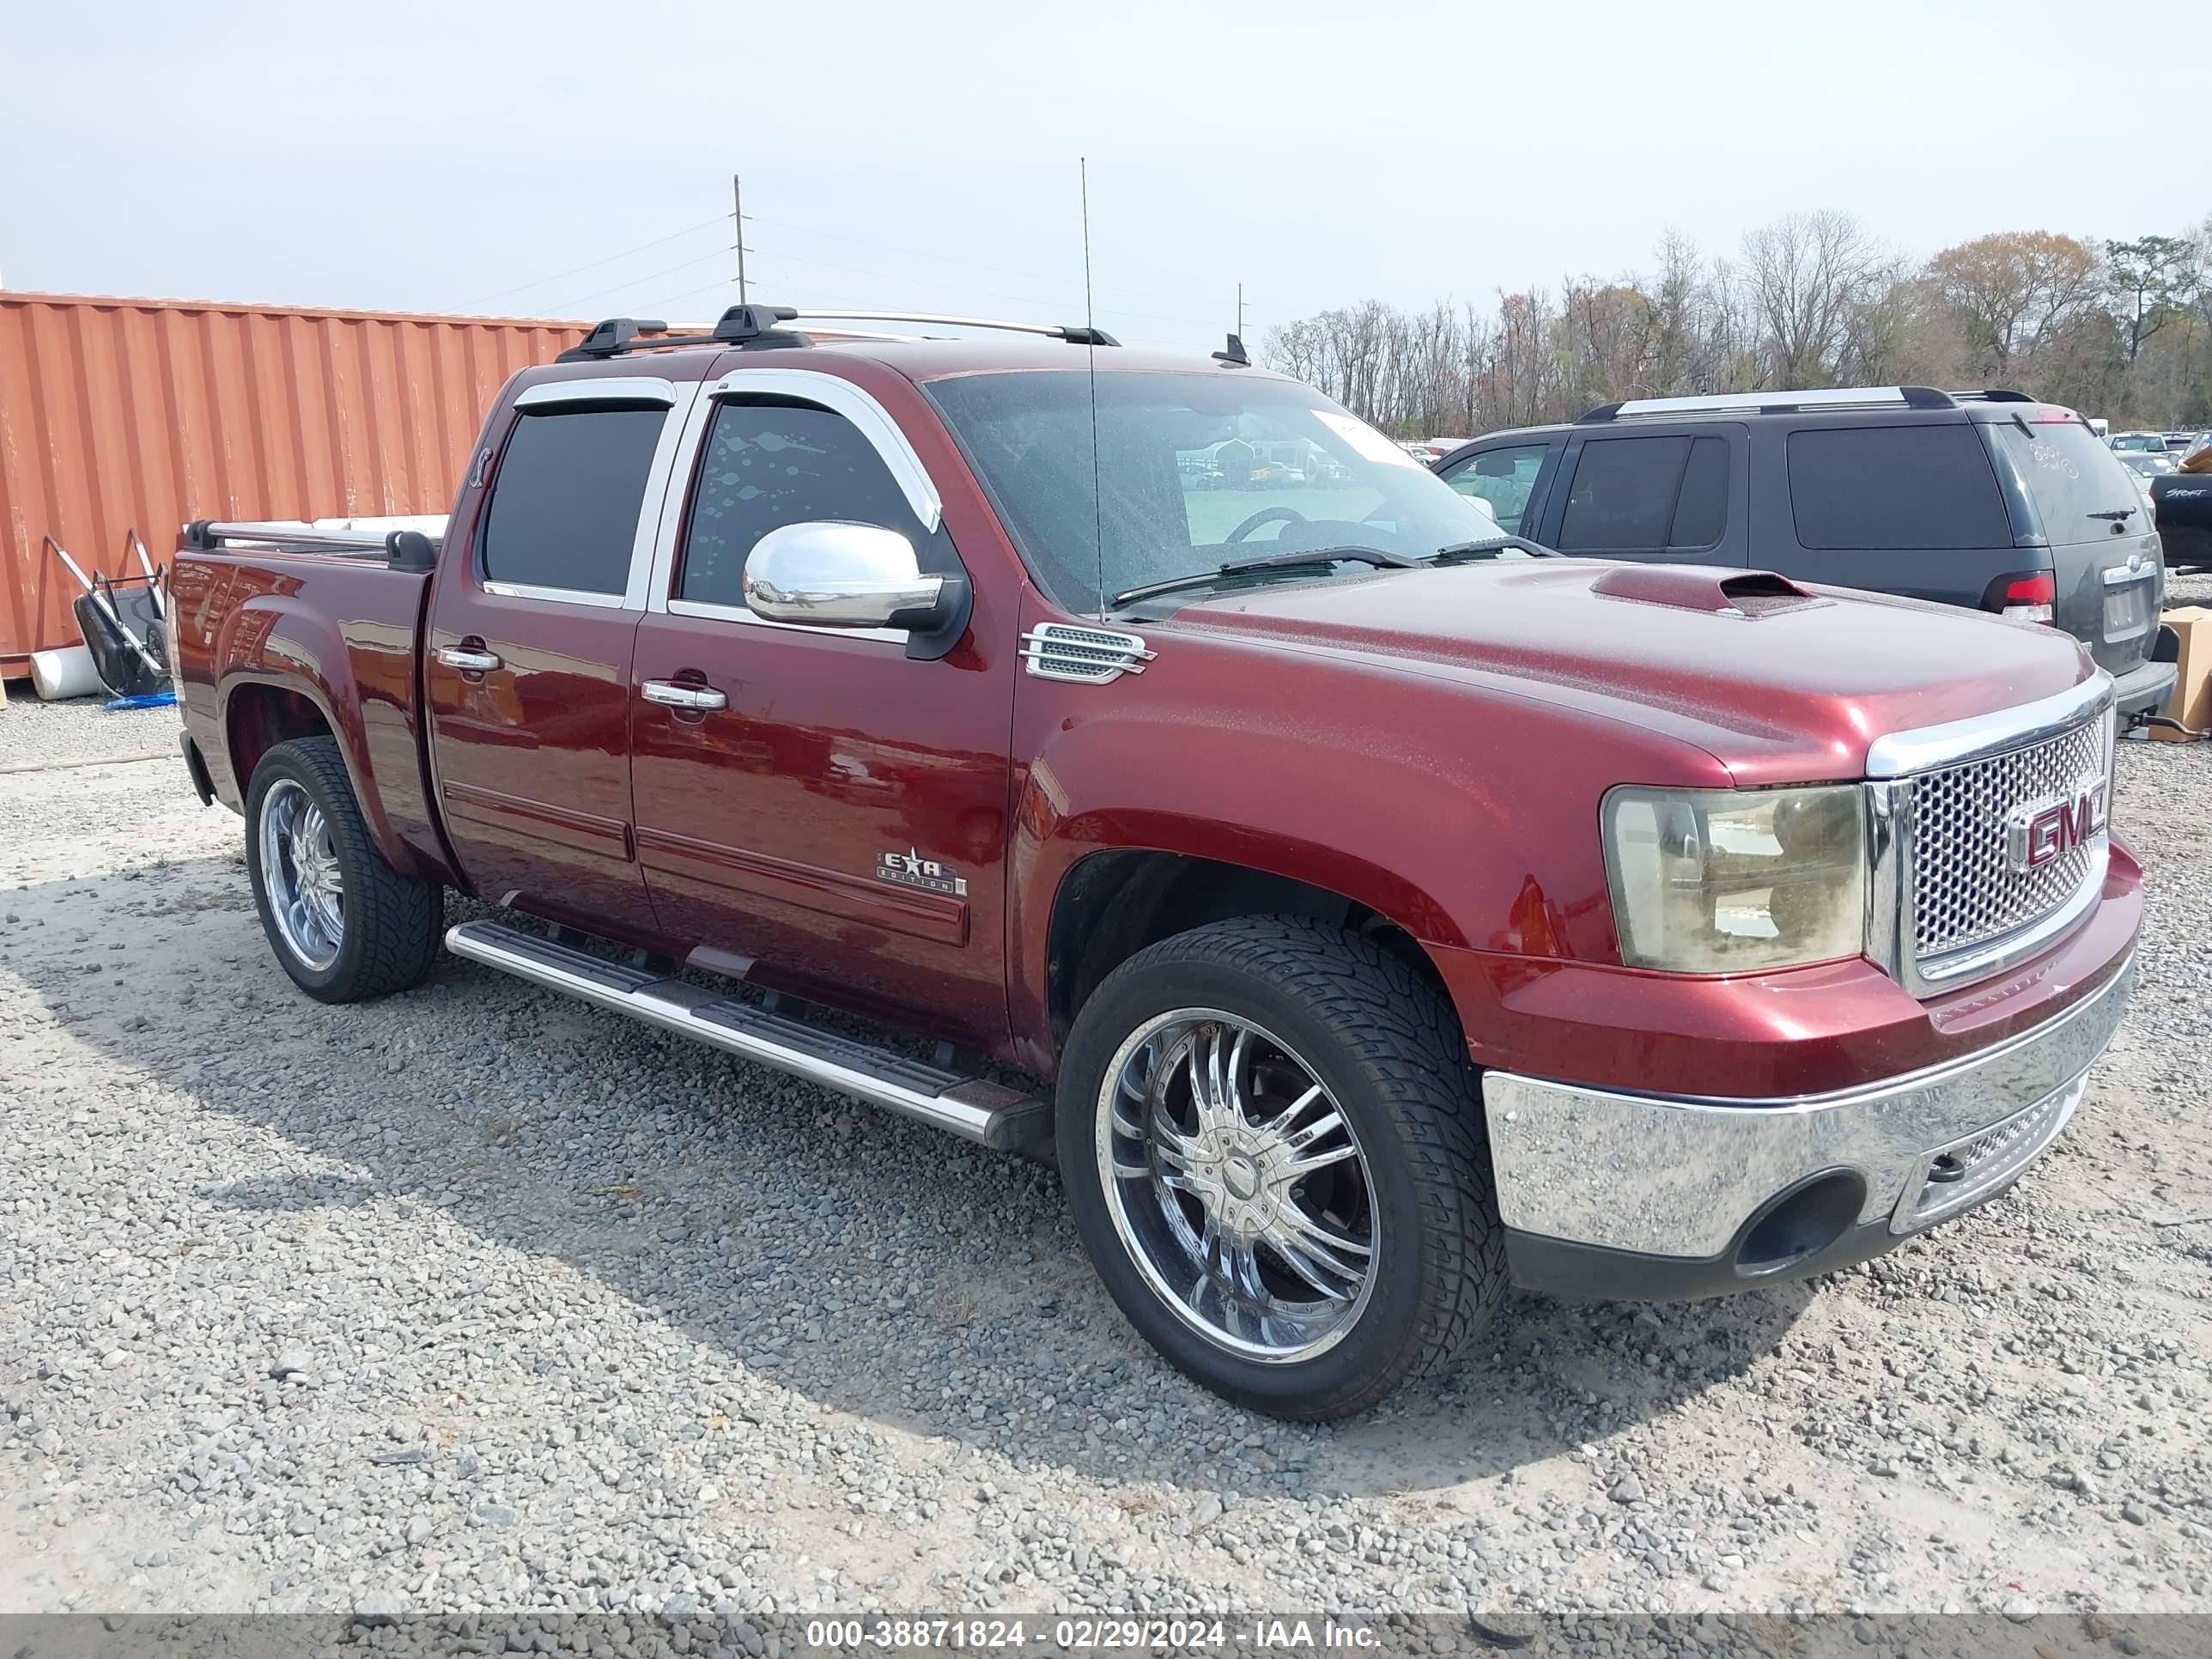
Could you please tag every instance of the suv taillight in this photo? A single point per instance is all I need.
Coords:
(2028, 597)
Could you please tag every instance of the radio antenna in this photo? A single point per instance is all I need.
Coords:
(1091, 330)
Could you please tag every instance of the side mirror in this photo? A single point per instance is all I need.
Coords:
(833, 573)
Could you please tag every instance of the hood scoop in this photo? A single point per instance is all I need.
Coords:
(1743, 594)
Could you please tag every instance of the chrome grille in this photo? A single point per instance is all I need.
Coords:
(1965, 891)
(1970, 1170)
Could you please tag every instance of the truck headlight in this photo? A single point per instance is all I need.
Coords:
(1723, 881)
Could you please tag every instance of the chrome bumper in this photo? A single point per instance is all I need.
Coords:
(1682, 1177)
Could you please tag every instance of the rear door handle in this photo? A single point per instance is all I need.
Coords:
(468, 661)
(671, 694)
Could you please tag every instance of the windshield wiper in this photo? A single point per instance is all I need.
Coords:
(1489, 546)
(2116, 514)
(1301, 559)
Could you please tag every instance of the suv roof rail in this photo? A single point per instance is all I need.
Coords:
(1997, 394)
(756, 327)
(1773, 403)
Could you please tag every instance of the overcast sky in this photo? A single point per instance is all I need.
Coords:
(565, 159)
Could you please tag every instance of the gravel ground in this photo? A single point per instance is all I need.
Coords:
(477, 1299)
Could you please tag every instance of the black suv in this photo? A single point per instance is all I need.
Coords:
(1986, 499)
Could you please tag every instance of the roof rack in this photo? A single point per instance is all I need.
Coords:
(1996, 394)
(1774, 402)
(757, 327)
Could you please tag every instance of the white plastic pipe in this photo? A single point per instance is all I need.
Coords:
(65, 672)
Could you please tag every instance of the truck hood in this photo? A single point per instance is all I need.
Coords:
(1779, 682)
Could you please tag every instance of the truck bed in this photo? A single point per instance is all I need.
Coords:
(256, 629)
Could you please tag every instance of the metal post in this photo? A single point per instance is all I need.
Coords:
(737, 218)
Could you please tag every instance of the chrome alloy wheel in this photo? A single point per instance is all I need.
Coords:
(1240, 1191)
(300, 869)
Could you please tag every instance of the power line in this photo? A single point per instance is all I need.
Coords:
(651, 276)
(660, 241)
(985, 293)
(949, 259)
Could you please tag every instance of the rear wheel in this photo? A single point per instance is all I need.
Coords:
(345, 924)
(1271, 1139)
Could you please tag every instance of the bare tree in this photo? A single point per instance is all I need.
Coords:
(1809, 273)
(1814, 300)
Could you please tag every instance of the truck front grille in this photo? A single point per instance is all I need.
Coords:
(1967, 890)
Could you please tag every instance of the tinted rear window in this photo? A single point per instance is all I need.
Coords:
(2069, 474)
(1895, 487)
(565, 502)
(1646, 495)
(1701, 513)
(1622, 498)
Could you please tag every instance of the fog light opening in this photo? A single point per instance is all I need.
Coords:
(1800, 1223)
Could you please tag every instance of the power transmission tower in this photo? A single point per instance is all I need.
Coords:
(738, 219)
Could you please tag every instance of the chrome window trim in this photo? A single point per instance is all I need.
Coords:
(609, 389)
(555, 595)
(841, 396)
(738, 613)
(644, 540)
(1927, 748)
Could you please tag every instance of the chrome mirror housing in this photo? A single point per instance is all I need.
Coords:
(833, 573)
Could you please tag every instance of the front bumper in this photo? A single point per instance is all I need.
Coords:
(1644, 1196)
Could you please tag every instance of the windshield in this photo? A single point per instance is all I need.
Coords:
(1191, 470)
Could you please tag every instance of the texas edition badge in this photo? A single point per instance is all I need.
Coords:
(910, 869)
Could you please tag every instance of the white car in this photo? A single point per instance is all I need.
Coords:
(2146, 464)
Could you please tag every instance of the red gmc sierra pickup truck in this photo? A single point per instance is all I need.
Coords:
(1387, 910)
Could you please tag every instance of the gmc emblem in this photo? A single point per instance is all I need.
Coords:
(2041, 831)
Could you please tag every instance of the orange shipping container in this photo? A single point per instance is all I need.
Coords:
(117, 413)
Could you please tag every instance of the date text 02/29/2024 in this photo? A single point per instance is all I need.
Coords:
(1093, 1634)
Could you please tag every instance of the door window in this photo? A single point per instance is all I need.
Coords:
(1649, 495)
(1501, 479)
(773, 461)
(1888, 488)
(564, 503)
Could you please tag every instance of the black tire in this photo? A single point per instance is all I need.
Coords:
(1388, 1047)
(392, 921)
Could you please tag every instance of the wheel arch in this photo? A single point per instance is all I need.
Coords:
(1110, 903)
(261, 708)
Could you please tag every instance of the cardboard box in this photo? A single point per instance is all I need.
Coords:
(2190, 700)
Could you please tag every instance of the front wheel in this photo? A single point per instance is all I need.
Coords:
(345, 924)
(1272, 1143)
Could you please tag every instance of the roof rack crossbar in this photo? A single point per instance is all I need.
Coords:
(1773, 403)
(759, 327)
(611, 337)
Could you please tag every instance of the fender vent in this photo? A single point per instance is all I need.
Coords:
(1087, 656)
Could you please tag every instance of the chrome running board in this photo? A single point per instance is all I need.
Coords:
(974, 1109)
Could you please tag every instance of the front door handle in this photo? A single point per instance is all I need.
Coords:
(468, 661)
(671, 694)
